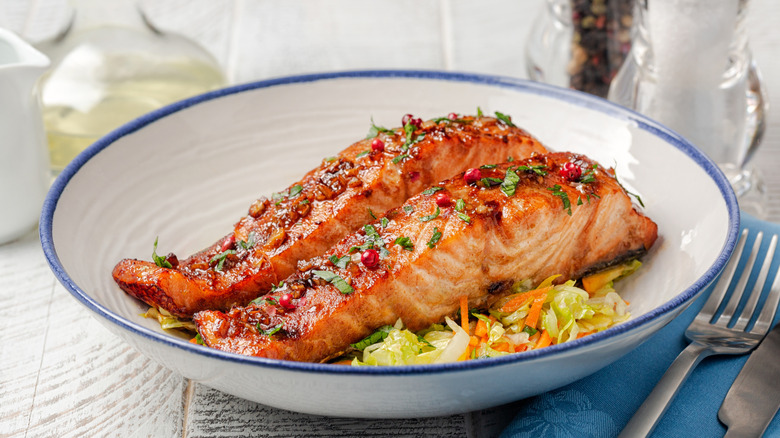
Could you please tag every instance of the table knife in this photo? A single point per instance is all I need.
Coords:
(754, 397)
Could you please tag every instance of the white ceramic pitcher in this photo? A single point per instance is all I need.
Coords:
(24, 168)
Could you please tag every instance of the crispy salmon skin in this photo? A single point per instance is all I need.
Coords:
(329, 202)
(473, 235)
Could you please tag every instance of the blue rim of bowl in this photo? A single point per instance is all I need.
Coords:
(520, 85)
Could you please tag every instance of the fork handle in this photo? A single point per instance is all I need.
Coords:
(646, 417)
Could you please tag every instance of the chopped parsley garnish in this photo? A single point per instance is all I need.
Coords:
(249, 243)
(434, 238)
(431, 190)
(296, 190)
(530, 330)
(376, 130)
(220, 258)
(158, 260)
(438, 120)
(335, 280)
(371, 213)
(405, 243)
(378, 336)
(479, 112)
(505, 118)
(460, 205)
(509, 184)
(270, 331)
(329, 159)
(509, 159)
(408, 209)
(363, 154)
(373, 239)
(199, 339)
(383, 222)
(464, 217)
(536, 168)
(432, 216)
(399, 158)
(340, 262)
(490, 181)
(556, 190)
(590, 175)
(260, 300)
(410, 139)
(488, 166)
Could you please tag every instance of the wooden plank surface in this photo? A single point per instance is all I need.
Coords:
(64, 375)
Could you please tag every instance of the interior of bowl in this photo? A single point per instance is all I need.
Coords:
(187, 173)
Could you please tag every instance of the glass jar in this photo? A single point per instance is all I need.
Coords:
(110, 66)
(580, 44)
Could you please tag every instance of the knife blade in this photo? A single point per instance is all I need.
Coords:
(754, 397)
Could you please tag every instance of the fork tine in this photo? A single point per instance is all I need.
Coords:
(717, 294)
(767, 315)
(750, 306)
(740, 288)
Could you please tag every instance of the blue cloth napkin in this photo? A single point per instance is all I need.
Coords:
(600, 405)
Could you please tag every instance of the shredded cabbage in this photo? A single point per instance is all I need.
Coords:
(568, 312)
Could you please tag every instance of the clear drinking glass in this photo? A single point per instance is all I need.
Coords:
(690, 68)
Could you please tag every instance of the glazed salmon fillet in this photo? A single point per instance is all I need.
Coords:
(329, 202)
(473, 235)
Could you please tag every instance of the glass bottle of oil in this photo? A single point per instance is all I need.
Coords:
(109, 66)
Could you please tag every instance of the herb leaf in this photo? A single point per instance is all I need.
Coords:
(270, 331)
(431, 190)
(158, 260)
(505, 118)
(335, 280)
(464, 217)
(383, 222)
(479, 112)
(399, 158)
(537, 169)
(249, 243)
(340, 262)
(363, 154)
(488, 166)
(509, 185)
(219, 259)
(371, 213)
(295, 190)
(434, 238)
(490, 181)
(432, 216)
(376, 130)
(556, 190)
(405, 243)
(408, 209)
(378, 336)
(460, 205)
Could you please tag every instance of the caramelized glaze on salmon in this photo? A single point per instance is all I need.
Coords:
(328, 203)
(520, 220)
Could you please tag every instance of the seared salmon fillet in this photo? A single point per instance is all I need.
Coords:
(473, 235)
(329, 202)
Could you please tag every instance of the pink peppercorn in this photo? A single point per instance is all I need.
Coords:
(377, 145)
(370, 258)
(570, 171)
(472, 175)
(443, 200)
(286, 301)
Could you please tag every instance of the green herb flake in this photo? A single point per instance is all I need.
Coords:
(376, 130)
(479, 112)
(384, 222)
(264, 300)
(530, 330)
(219, 259)
(556, 190)
(432, 216)
(296, 190)
(464, 217)
(335, 280)
(434, 238)
(329, 159)
(405, 243)
(509, 159)
(270, 331)
(371, 213)
(363, 154)
(537, 169)
(509, 184)
(460, 205)
(340, 262)
(431, 190)
(158, 260)
(199, 339)
(488, 166)
(505, 118)
(400, 158)
(408, 209)
(378, 336)
(490, 181)
(249, 243)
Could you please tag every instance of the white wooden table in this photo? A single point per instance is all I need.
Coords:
(63, 375)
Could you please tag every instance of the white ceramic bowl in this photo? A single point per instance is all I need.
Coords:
(187, 172)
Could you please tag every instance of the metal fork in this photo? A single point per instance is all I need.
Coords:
(709, 337)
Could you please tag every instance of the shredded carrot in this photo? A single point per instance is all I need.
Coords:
(194, 340)
(504, 346)
(474, 341)
(481, 329)
(523, 298)
(464, 312)
(535, 310)
(544, 340)
(520, 348)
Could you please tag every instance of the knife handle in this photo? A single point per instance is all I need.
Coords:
(646, 417)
